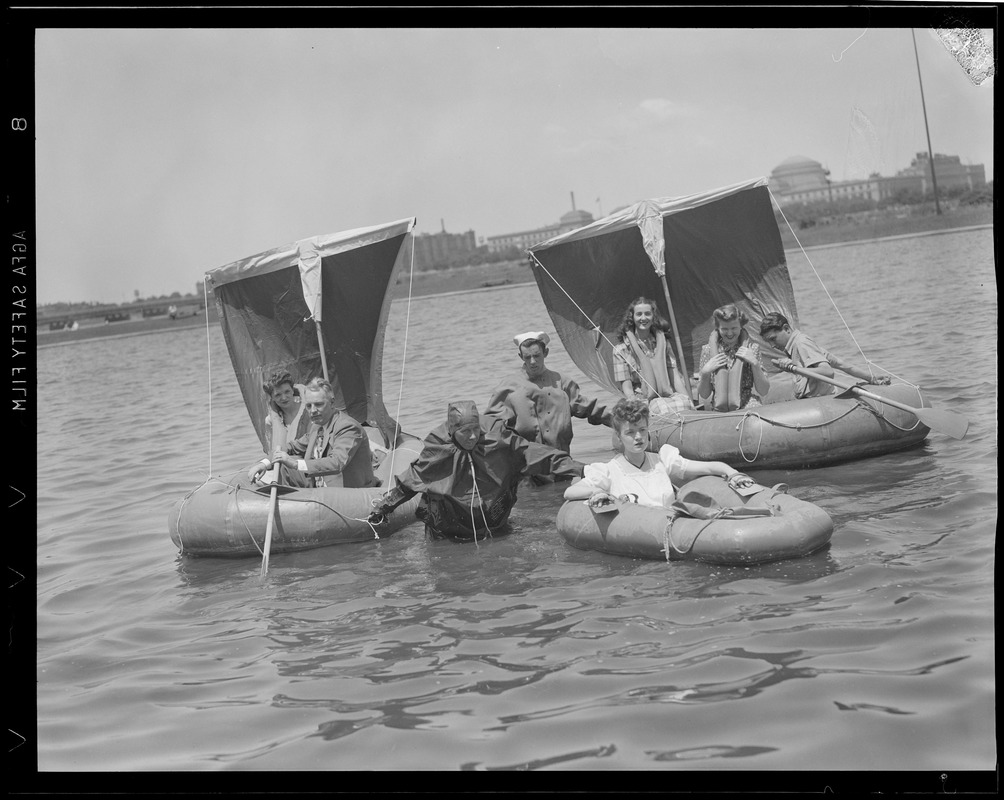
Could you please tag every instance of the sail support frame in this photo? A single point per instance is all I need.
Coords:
(711, 248)
(316, 307)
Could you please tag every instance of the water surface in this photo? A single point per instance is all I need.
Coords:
(523, 653)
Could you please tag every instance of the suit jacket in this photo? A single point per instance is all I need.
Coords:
(346, 451)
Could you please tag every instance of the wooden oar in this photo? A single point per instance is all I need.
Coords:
(947, 422)
(273, 501)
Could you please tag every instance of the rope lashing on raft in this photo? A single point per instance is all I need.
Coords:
(880, 413)
(674, 415)
(798, 427)
(833, 302)
(287, 499)
(235, 487)
(187, 497)
(745, 414)
(602, 334)
(725, 512)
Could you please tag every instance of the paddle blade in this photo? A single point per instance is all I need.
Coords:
(946, 422)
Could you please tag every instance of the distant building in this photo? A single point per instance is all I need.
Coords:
(802, 180)
(523, 239)
(949, 170)
(433, 249)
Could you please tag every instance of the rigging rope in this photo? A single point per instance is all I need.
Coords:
(209, 365)
(404, 359)
(833, 302)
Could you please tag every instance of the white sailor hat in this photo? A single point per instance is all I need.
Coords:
(535, 336)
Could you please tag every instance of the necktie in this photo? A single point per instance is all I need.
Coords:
(318, 452)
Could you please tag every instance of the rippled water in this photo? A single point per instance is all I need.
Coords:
(523, 653)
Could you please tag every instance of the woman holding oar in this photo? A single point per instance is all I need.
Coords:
(285, 421)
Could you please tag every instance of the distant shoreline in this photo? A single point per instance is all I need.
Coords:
(432, 283)
(875, 239)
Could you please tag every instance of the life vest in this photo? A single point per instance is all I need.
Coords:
(727, 382)
(655, 377)
(281, 433)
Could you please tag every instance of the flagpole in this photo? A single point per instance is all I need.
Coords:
(923, 105)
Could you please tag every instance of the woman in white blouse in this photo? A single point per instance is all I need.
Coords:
(639, 476)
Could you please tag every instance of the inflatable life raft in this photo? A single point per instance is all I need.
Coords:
(766, 526)
(796, 433)
(230, 519)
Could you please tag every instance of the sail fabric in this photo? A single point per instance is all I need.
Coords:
(309, 265)
(716, 247)
(269, 305)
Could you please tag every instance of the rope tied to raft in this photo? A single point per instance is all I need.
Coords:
(744, 415)
(667, 534)
(741, 425)
(187, 497)
(694, 508)
(288, 499)
(879, 411)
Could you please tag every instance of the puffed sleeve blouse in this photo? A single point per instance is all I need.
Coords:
(649, 485)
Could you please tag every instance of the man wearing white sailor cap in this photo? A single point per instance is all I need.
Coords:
(538, 402)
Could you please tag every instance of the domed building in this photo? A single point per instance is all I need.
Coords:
(797, 174)
(569, 221)
(576, 218)
(801, 180)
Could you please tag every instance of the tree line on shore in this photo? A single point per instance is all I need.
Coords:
(60, 309)
(850, 209)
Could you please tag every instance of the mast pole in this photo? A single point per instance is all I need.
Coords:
(923, 105)
(687, 389)
(320, 347)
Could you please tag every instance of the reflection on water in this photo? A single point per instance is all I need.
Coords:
(523, 653)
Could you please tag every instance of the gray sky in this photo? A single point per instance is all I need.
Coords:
(161, 154)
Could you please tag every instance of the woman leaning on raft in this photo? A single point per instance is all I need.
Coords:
(644, 367)
(638, 476)
(284, 421)
(731, 376)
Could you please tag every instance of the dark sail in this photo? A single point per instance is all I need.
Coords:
(719, 247)
(268, 304)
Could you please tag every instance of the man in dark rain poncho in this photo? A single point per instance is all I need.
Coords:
(468, 474)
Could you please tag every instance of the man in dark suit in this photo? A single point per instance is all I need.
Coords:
(334, 451)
